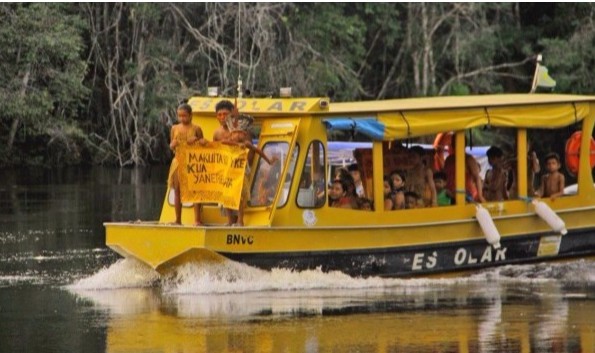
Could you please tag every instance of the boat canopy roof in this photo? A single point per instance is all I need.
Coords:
(406, 118)
(387, 120)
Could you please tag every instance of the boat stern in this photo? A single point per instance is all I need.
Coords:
(160, 246)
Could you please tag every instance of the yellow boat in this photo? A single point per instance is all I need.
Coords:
(292, 227)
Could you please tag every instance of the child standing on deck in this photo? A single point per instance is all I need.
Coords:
(494, 186)
(420, 178)
(222, 110)
(239, 136)
(184, 133)
(552, 182)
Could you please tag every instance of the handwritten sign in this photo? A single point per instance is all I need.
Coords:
(213, 173)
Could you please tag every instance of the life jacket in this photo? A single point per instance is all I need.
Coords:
(442, 143)
(573, 150)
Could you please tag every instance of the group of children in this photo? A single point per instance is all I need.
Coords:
(501, 181)
(398, 196)
(347, 190)
(186, 133)
(421, 187)
(418, 187)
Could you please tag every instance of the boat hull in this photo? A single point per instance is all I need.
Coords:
(269, 248)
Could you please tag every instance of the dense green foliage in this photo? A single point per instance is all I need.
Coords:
(99, 82)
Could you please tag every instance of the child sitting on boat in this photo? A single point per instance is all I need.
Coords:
(552, 182)
(420, 178)
(338, 196)
(412, 200)
(397, 183)
(357, 179)
(345, 175)
(442, 194)
(364, 204)
(389, 204)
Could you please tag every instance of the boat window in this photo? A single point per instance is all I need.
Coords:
(288, 177)
(312, 190)
(559, 147)
(267, 177)
(496, 152)
(412, 169)
(350, 159)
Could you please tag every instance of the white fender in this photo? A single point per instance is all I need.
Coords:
(550, 217)
(487, 226)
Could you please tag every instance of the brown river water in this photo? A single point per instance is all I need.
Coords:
(62, 290)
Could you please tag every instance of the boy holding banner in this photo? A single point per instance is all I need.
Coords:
(243, 139)
(184, 133)
(234, 131)
(222, 110)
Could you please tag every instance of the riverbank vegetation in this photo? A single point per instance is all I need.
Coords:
(99, 82)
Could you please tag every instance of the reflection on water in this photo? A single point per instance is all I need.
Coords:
(62, 290)
(51, 221)
(487, 312)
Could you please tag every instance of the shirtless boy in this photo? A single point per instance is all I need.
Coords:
(494, 187)
(184, 133)
(222, 109)
(243, 139)
(552, 183)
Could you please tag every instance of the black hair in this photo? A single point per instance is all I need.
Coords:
(440, 176)
(353, 167)
(361, 201)
(224, 104)
(552, 155)
(400, 173)
(344, 185)
(186, 107)
(417, 150)
(347, 178)
(494, 152)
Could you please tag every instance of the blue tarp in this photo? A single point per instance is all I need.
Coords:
(367, 126)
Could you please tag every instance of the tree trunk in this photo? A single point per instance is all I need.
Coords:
(15, 123)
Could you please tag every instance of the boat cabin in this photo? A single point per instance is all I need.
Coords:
(314, 138)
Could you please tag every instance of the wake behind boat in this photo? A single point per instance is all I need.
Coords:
(289, 220)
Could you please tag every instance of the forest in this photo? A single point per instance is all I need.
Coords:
(98, 83)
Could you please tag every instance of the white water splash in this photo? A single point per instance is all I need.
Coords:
(238, 291)
(231, 277)
(126, 273)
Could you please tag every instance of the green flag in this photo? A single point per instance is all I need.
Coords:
(544, 79)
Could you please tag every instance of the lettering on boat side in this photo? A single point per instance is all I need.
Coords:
(462, 256)
(419, 258)
(239, 239)
(254, 105)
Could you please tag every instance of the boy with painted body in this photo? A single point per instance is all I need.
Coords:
(184, 133)
(552, 183)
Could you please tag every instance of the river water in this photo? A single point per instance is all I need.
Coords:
(62, 290)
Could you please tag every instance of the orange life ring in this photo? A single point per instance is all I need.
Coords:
(442, 143)
(573, 150)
